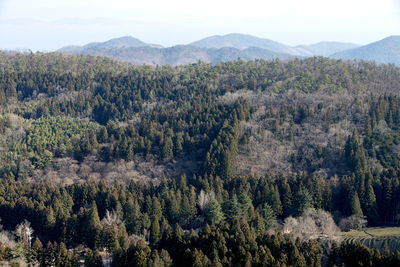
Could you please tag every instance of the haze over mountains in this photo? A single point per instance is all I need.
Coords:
(242, 41)
(383, 51)
(117, 43)
(228, 47)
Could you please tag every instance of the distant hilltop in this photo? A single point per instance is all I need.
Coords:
(232, 46)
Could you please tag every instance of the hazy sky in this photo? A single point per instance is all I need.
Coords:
(51, 24)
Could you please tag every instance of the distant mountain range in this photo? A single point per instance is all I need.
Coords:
(383, 51)
(233, 46)
(181, 54)
(242, 41)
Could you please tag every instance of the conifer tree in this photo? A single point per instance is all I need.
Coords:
(276, 201)
(92, 227)
(232, 208)
(355, 206)
(370, 204)
(268, 216)
(155, 230)
(302, 202)
(213, 212)
(167, 148)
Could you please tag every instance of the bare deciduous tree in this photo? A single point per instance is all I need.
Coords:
(312, 224)
(111, 217)
(352, 222)
(7, 239)
(204, 198)
(24, 231)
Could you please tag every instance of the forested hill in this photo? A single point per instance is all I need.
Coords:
(110, 155)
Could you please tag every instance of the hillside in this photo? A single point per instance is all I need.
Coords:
(286, 99)
(384, 51)
(260, 162)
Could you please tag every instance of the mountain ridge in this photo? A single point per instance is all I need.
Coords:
(243, 41)
(385, 51)
(183, 54)
(232, 46)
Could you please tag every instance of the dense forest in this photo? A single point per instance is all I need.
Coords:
(258, 163)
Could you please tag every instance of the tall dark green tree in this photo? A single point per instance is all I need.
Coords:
(92, 227)
(355, 153)
(355, 206)
(213, 212)
(370, 204)
(302, 201)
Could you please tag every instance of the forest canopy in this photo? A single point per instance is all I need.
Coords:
(197, 165)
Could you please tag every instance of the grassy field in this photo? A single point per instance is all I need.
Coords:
(375, 237)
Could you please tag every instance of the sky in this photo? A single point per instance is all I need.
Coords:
(47, 25)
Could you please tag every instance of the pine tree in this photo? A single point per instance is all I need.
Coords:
(387, 199)
(155, 230)
(268, 216)
(178, 144)
(37, 249)
(132, 215)
(276, 201)
(287, 197)
(167, 149)
(355, 154)
(370, 204)
(303, 201)
(232, 208)
(92, 227)
(355, 206)
(213, 212)
(109, 237)
(245, 204)
(103, 135)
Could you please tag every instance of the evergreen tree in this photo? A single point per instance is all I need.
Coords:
(370, 204)
(92, 227)
(276, 203)
(155, 230)
(232, 208)
(167, 148)
(268, 216)
(37, 250)
(213, 212)
(355, 154)
(303, 201)
(109, 237)
(287, 197)
(245, 204)
(355, 206)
